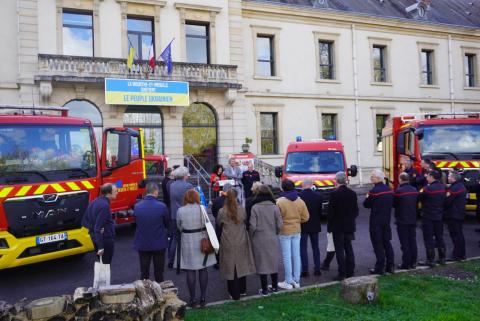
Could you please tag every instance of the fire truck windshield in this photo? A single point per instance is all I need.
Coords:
(314, 162)
(41, 151)
(453, 140)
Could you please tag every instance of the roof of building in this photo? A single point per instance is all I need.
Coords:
(464, 13)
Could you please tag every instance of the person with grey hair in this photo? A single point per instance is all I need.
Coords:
(455, 214)
(342, 213)
(380, 201)
(311, 228)
(177, 191)
(100, 224)
(151, 240)
(405, 202)
(233, 171)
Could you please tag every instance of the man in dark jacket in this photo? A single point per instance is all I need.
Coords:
(151, 239)
(248, 178)
(412, 172)
(342, 212)
(166, 194)
(177, 190)
(101, 226)
(455, 214)
(432, 198)
(380, 201)
(311, 228)
(405, 204)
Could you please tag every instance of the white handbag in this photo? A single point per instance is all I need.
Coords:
(212, 236)
(101, 275)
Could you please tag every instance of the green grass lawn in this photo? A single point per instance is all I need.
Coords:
(418, 296)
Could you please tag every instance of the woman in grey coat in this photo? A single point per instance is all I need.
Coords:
(236, 259)
(265, 225)
(191, 225)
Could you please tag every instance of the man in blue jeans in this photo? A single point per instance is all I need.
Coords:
(311, 228)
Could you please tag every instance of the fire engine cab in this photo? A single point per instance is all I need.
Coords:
(451, 141)
(50, 169)
(318, 161)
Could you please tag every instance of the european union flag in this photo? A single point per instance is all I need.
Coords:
(167, 57)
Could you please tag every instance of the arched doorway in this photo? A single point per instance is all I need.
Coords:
(86, 109)
(200, 134)
(151, 121)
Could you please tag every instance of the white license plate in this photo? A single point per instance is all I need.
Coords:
(51, 238)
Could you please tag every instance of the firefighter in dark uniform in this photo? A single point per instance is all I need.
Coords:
(427, 167)
(405, 204)
(432, 198)
(412, 172)
(380, 201)
(455, 214)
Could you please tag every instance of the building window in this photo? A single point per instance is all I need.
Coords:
(470, 65)
(427, 67)
(150, 120)
(326, 59)
(268, 133)
(140, 36)
(265, 56)
(86, 109)
(380, 120)
(77, 33)
(329, 126)
(379, 64)
(198, 42)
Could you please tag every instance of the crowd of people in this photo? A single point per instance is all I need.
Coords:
(255, 236)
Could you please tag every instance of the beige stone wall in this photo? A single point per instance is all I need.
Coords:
(300, 97)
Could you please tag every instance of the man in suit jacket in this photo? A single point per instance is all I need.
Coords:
(177, 190)
(311, 228)
(342, 212)
(151, 239)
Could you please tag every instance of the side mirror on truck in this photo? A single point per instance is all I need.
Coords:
(278, 171)
(352, 171)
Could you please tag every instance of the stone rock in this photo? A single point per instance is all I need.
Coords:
(174, 308)
(144, 294)
(361, 290)
(45, 308)
(117, 294)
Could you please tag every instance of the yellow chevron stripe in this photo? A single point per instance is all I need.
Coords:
(41, 189)
(5, 191)
(321, 183)
(90, 186)
(476, 164)
(23, 190)
(73, 186)
(57, 187)
(441, 164)
(452, 164)
(465, 164)
(329, 182)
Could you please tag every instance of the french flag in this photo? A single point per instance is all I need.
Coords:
(151, 57)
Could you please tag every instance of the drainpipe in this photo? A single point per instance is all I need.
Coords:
(355, 90)
(450, 75)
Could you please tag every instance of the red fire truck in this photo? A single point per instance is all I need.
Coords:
(317, 161)
(50, 169)
(451, 141)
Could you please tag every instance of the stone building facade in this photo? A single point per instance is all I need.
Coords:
(268, 70)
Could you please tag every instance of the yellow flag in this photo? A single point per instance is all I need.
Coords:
(131, 54)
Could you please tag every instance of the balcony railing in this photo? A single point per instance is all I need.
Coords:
(87, 69)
